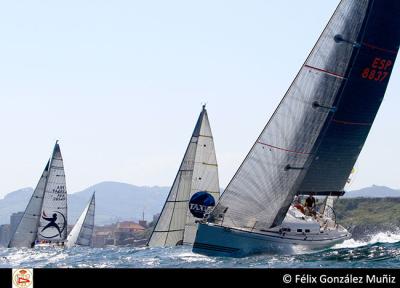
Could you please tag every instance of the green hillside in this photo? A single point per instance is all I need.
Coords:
(368, 215)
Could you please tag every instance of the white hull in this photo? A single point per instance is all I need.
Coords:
(47, 245)
(214, 240)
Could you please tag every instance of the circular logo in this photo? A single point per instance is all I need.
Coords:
(23, 278)
(200, 203)
(53, 225)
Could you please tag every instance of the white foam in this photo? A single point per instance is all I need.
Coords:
(381, 237)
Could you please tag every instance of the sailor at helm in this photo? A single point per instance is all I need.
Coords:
(310, 205)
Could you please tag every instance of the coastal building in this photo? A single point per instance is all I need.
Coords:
(15, 218)
(5, 234)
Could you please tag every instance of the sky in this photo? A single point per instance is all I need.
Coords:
(120, 84)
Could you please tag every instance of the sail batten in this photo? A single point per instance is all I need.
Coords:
(316, 134)
(175, 225)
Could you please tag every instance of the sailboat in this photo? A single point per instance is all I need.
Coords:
(312, 140)
(194, 191)
(82, 232)
(45, 217)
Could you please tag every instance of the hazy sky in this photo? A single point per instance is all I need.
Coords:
(121, 83)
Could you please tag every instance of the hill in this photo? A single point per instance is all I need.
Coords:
(374, 192)
(114, 201)
(367, 216)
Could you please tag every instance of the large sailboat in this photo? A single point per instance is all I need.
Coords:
(45, 217)
(81, 234)
(312, 141)
(194, 191)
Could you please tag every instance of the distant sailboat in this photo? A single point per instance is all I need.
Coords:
(82, 232)
(194, 191)
(312, 141)
(27, 229)
(45, 217)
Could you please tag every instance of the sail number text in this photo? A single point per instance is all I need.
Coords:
(379, 70)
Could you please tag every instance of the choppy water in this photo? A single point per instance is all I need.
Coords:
(382, 251)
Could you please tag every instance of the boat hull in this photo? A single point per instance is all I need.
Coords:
(228, 242)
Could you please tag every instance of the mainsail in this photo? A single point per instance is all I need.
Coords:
(82, 232)
(26, 231)
(198, 172)
(53, 221)
(318, 130)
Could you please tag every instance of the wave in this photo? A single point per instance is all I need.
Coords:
(381, 237)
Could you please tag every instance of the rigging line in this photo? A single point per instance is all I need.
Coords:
(325, 71)
(282, 149)
(373, 47)
(351, 123)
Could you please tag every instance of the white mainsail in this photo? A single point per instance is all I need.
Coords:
(205, 174)
(82, 232)
(53, 221)
(26, 231)
(198, 173)
(263, 188)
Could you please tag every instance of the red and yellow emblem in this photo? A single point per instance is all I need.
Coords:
(22, 278)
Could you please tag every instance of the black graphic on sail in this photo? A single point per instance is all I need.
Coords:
(54, 209)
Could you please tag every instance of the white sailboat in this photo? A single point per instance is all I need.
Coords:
(26, 231)
(194, 191)
(82, 232)
(45, 217)
(312, 141)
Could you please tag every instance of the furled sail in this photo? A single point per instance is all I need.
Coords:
(26, 231)
(198, 174)
(82, 232)
(318, 130)
(53, 221)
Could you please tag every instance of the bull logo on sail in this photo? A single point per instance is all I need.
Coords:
(200, 203)
(55, 226)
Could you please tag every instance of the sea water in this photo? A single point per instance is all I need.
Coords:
(381, 251)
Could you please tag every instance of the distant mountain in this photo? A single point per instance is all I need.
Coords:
(120, 201)
(114, 201)
(374, 192)
(14, 202)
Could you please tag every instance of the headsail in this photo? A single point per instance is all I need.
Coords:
(53, 221)
(82, 232)
(197, 176)
(26, 232)
(317, 132)
(327, 208)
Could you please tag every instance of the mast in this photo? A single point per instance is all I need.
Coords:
(313, 139)
(53, 222)
(26, 231)
(197, 173)
(82, 232)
